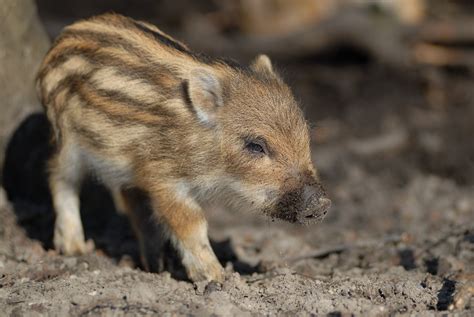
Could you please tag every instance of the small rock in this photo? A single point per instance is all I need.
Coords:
(212, 287)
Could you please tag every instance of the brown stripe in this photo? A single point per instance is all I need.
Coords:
(93, 45)
(160, 38)
(70, 82)
(106, 40)
(155, 109)
(92, 137)
(143, 28)
(118, 112)
(74, 82)
(154, 73)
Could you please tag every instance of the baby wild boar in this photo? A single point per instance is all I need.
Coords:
(141, 111)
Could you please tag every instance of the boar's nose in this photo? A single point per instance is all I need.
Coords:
(315, 204)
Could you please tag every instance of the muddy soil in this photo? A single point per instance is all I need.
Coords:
(399, 239)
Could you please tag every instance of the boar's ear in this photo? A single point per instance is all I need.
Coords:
(204, 94)
(262, 64)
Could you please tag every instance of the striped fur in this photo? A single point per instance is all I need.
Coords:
(141, 111)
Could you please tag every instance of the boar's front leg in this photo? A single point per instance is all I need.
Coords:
(187, 229)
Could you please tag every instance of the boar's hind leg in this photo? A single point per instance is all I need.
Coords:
(135, 204)
(187, 229)
(65, 179)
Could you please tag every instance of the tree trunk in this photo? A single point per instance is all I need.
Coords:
(23, 43)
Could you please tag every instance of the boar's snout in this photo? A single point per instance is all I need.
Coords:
(315, 204)
(305, 205)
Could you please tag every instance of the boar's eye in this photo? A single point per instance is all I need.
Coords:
(256, 147)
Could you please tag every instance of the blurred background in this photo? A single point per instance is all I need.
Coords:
(387, 87)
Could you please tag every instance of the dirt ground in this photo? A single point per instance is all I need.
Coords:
(394, 147)
(399, 238)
